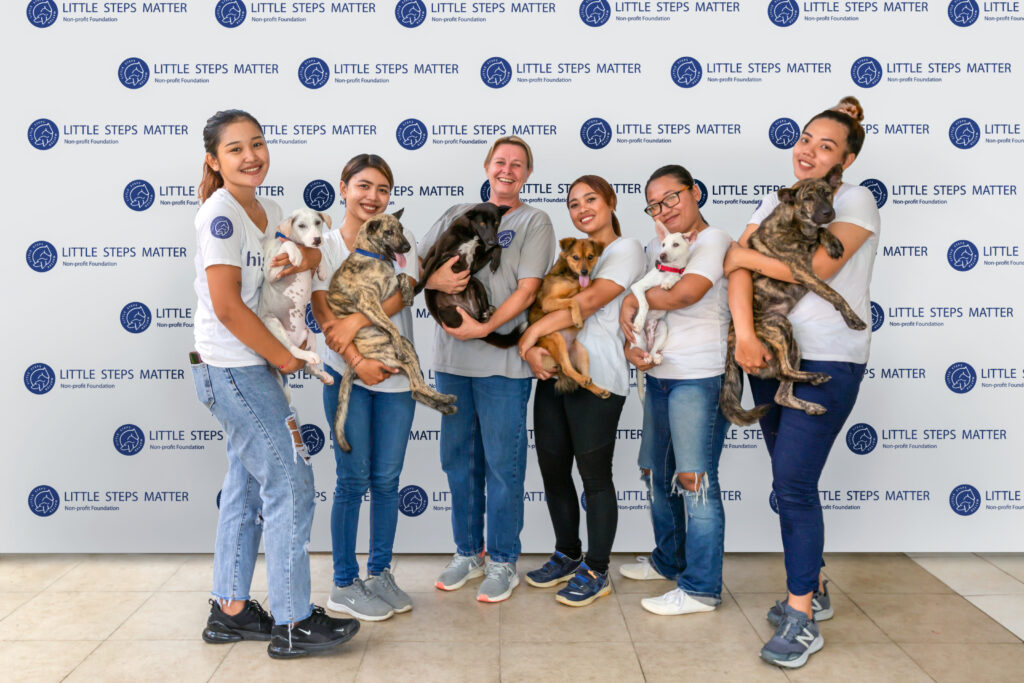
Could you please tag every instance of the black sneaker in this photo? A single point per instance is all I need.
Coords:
(316, 632)
(252, 623)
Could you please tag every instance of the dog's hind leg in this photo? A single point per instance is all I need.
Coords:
(344, 393)
(317, 370)
(785, 397)
(776, 333)
(581, 359)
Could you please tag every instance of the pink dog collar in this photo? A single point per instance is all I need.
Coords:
(669, 269)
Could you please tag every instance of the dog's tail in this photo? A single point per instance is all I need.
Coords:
(732, 390)
(344, 393)
(505, 340)
(565, 385)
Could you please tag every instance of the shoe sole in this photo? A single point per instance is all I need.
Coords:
(221, 638)
(823, 615)
(344, 609)
(294, 653)
(549, 584)
(816, 645)
(500, 598)
(583, 603)
(479, 571)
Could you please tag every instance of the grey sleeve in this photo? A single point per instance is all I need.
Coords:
(538, 248)
(442, 223)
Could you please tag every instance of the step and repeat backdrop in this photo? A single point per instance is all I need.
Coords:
(109, 450)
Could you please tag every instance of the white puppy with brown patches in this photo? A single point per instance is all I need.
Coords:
(651, 330)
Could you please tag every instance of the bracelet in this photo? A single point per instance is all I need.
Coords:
(361, 359)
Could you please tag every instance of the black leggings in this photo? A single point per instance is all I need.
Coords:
(582, 426)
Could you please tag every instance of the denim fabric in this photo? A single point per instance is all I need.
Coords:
(268, 489)
(683, 432)
(377, 428)
(483, 446)
(799, 445)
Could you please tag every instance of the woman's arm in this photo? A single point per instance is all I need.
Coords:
(740, 256)
(590, 300)
(688, 291)
(751, 355)
(339, 332)
(517, 302)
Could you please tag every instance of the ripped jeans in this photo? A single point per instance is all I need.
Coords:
(683, 432)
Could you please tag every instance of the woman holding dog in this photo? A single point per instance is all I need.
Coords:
(268, 488)
(379, 416)
(483, 445)
(579, 425)
(799, 443)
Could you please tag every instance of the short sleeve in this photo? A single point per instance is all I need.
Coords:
(439, 226)
(766, 206)
(330, 255)
(857, 206)
(624, 265)
(708, 255)
(219, 235)
(538, 251)
(412, 262)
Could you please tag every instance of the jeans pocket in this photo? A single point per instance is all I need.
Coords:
(204, 388)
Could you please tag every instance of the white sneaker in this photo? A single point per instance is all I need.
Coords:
(641, 570)
(675, 602)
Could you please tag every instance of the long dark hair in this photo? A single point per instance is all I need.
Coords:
(602, 188)
(849, 113)
(212, 180)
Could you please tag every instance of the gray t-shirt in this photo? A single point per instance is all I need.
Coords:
(528, 250)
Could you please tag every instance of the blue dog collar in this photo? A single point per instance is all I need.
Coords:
(370, 254)
(282, 236)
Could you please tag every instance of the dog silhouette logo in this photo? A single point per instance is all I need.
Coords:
(411, 134)
(964, 500)
(410, 13)
(314, 73)
(43, 500)
(686, 72)
(133, 73)
(878, 190)
(485, 191)
(311, 321)
(866, 72)
(963, 13)
(43, 134)
(139, 195)
(962, 255)
(784, 133)
(861, 438)
(230, 13)
(505, 238)
(703, 193)
(595, 133)
(129, 439)
(221, 227)
(412, 501)
(961, 378)
(318, 195)
(773, 502)
(877, 317)
(41, 13)
(964, 133)
(313, 437)
(496, 73)
(135, 317)
(41, 256)
(783, 12)
(595, 12)
(583, 501)
(39, 378)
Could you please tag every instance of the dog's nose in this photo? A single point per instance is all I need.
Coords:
(316, 241)
(584, 272)
(662, 256)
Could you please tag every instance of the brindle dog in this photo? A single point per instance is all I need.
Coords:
(566, 279)
(362, 282)
(791, 234)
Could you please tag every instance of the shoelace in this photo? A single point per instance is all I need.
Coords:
(260, 612)
(459, 560)
(497, 570)
(361, 587)
(789, 625)
(389, 580)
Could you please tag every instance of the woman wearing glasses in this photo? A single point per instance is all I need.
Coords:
(683, 428)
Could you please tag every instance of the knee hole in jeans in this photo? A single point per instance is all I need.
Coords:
(690, 481)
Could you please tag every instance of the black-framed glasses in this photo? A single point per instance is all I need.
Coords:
(668, 202)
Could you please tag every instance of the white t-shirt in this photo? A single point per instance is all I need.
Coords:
(623, 263)
(818, 327)
(334, 253)
(225, 235)
(698, 335)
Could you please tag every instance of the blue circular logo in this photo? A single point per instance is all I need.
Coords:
(784, 133)
(218, 498)
(230, 13)
(412, 501)
(314, 73)
(43, 134)
(965, 500)
(43, 500)
(485, 191)
(595, 12)
(40, 378)
(964, 133)
(783, 12)
(139, 195)
(133, 73)
(505, 238)
(496, 73)
(311, 320)
(703, 193)
(313, 437)
(129, 439)
(773, 502)
(877, 317)
(962, 255)
(410, 13)
(861, 438)
(41, 256)
(41, 13)
(960, 378)
(583, 501)
(866, 72)
(411, 134)
(595, 133)
(686, 72)
(878, 190)
(963, 12)
(221, 227)
(318, 195)
(135, 317)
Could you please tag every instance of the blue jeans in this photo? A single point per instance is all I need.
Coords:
(267, 490)
(483, 446)
(377, 428)
(799, 445)
(684, 432)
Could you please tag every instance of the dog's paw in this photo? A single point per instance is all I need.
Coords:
(656, 358)
(667, 284)
(815, 409)
(604, 394)
(855, 324)
(638, 326)
(820, 378)
(327, 379)
(449, 409)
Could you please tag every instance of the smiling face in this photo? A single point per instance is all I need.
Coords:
(821, 146)
(588, 210)
(366, 193)
(684, 216)
(507, 173)
(242, 158)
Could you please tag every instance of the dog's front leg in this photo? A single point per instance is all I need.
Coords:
(812, 282)
(669, 281)
(405, 286)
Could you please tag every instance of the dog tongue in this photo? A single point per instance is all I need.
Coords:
(584, 281)
(401, 260)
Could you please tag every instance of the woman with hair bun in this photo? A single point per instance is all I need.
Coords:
(799, 443)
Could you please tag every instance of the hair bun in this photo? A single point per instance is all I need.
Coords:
(850, 106)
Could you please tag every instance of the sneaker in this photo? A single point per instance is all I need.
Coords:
(384, 587)
(821, 605)
(585, 587)
(461, 569)
(559, 569)
(641, 570)
(499, 582)
(356, 599)
(252, 623)
(316, 632)
(796, 638)
(676, 601)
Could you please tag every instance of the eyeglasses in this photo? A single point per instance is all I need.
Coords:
(668, 202)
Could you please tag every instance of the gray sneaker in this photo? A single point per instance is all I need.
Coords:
(500, 580)
(358, 601)
(384, 587)
(821, 605)
(461, 569)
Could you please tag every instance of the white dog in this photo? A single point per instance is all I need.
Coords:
(649, 326)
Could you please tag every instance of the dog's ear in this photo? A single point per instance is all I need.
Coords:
(286, 227)
(787, 195)
(325, 218)
(502, 210)
(372, 226)
(398, 214)
(566, 243)
(835, 176)
(661, 230)
(598, 249)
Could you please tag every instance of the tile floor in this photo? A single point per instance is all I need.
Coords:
(898, 618)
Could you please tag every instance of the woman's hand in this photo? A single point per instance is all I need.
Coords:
(293, 365)
(371, 371)
(640, 358)
(535, 357)
(310, 260)
(751, 354)
(469, 329)
(339, 332)
(527, 341)
(445, 280)
(627, 313)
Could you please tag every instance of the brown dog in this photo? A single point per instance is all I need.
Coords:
(567, 278)
(791, 234)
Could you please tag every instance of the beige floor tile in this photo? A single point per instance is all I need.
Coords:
(705, 662)
(931, 619)
(321, 575)
(427, 663)
(1008, 610)
(196, 574)
(70, 616)
(153, 660)
(968, 574)
(880, 573)
(176, 615)
(859, 662)
(119, 573)
(991, 663)
(248, 661)
(12, 601)
(727, 624)
(532, 615)
(754, 573)
(419, 572)
(848, 625)
(1011, 563)
(39, 662)
(438, 617)
(611, 661)
(633, 586)
(33, 572)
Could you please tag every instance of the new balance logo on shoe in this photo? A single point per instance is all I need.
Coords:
(805, 638)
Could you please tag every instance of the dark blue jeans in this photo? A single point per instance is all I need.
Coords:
(799, 445)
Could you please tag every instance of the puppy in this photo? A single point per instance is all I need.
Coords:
(567, 278)
(649, 326)
(792, 234)
(364, 280)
